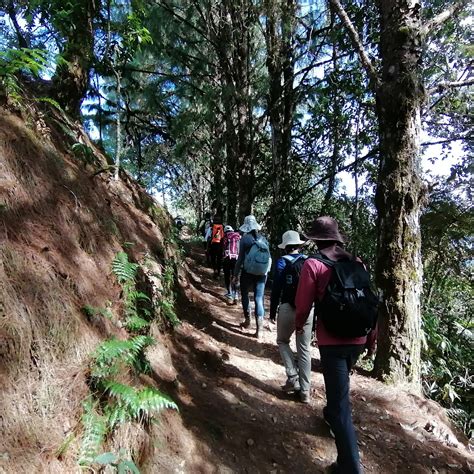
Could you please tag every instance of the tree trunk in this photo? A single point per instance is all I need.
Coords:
(71, 80)
(118, 125)
(399, 192)
(279, 37)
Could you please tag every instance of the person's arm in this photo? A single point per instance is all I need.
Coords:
(305, 295)
(240, 259)
(277, 286)
(371, 343)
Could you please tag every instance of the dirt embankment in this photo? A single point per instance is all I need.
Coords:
(61, 225)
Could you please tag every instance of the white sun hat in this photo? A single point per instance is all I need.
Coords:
(250, 223)
(228, 228)
(290, 237)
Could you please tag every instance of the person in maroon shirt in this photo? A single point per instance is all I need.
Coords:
(338, 355)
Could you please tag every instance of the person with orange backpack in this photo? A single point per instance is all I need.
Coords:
(216, 244)
(231, 253)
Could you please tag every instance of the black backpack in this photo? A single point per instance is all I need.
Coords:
(349, 306)
(291, 277)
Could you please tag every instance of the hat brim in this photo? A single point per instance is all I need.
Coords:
(283, 245)
(339, 238)
(246, 228)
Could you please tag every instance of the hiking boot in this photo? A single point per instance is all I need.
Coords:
(292, 385)
(304, 397)
(246, 323)
(259, 323)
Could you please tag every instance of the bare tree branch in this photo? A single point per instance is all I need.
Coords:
(438, 20)
(442, 86)
(363, 56)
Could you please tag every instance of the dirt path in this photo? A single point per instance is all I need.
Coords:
(228, 384)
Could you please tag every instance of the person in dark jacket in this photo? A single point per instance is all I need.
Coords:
(338, 355)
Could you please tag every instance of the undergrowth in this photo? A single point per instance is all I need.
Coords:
(113, 399)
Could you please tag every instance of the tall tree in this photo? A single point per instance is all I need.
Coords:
(399, 96)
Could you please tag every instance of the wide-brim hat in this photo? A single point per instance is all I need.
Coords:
(325, 228)
(250, 223)
(290, 237)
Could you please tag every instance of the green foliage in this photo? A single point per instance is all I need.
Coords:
(122, 465)
(123, 269)
(448, 305)
(95, 430)
(136, 303)
(15, 61)
(114, 355)
(83, 152)
(135, 404)
(91, 311)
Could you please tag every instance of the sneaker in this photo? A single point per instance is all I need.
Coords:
(291, 385)
(304, 397)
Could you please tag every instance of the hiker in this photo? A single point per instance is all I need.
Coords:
(205, 224)
(205, 229)
(179, 222)
(285, 283)
(338, 352)
(231, 253)
(253, 264)
(216, 244)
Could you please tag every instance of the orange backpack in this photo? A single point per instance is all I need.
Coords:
(217, 233)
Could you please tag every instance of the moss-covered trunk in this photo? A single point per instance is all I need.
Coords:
(71, 80)
(399, 192)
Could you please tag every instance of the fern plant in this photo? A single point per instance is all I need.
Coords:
(114, 354)
(124, 270)
(136, 315)
(95, 430)
(23, 60)
(135, 404)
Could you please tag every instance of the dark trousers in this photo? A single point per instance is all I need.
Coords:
(229, 266)
(215, 252)
(337, 363)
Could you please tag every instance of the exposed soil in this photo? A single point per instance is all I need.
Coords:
(228, 387)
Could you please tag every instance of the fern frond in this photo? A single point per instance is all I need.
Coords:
(123, 269)
(95, 429)
(134, 323)
(111, 353)
(136, 296)
(133, 404)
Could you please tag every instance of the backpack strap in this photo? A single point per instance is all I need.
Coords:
(323, 259)
(290, 260)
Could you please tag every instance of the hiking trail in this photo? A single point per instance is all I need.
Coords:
(228, 388)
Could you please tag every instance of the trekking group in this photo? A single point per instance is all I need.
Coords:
(329, 290)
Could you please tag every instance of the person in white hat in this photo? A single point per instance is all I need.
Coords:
(252, 266)
(285, 283)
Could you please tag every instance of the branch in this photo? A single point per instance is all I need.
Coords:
(442, 86)
(438, 20)
(356, 41)
(370, 154)
(447, 140)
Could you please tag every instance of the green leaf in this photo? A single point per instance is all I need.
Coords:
(127, 466)
(106, 458)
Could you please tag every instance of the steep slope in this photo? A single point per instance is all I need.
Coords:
(61, 226)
